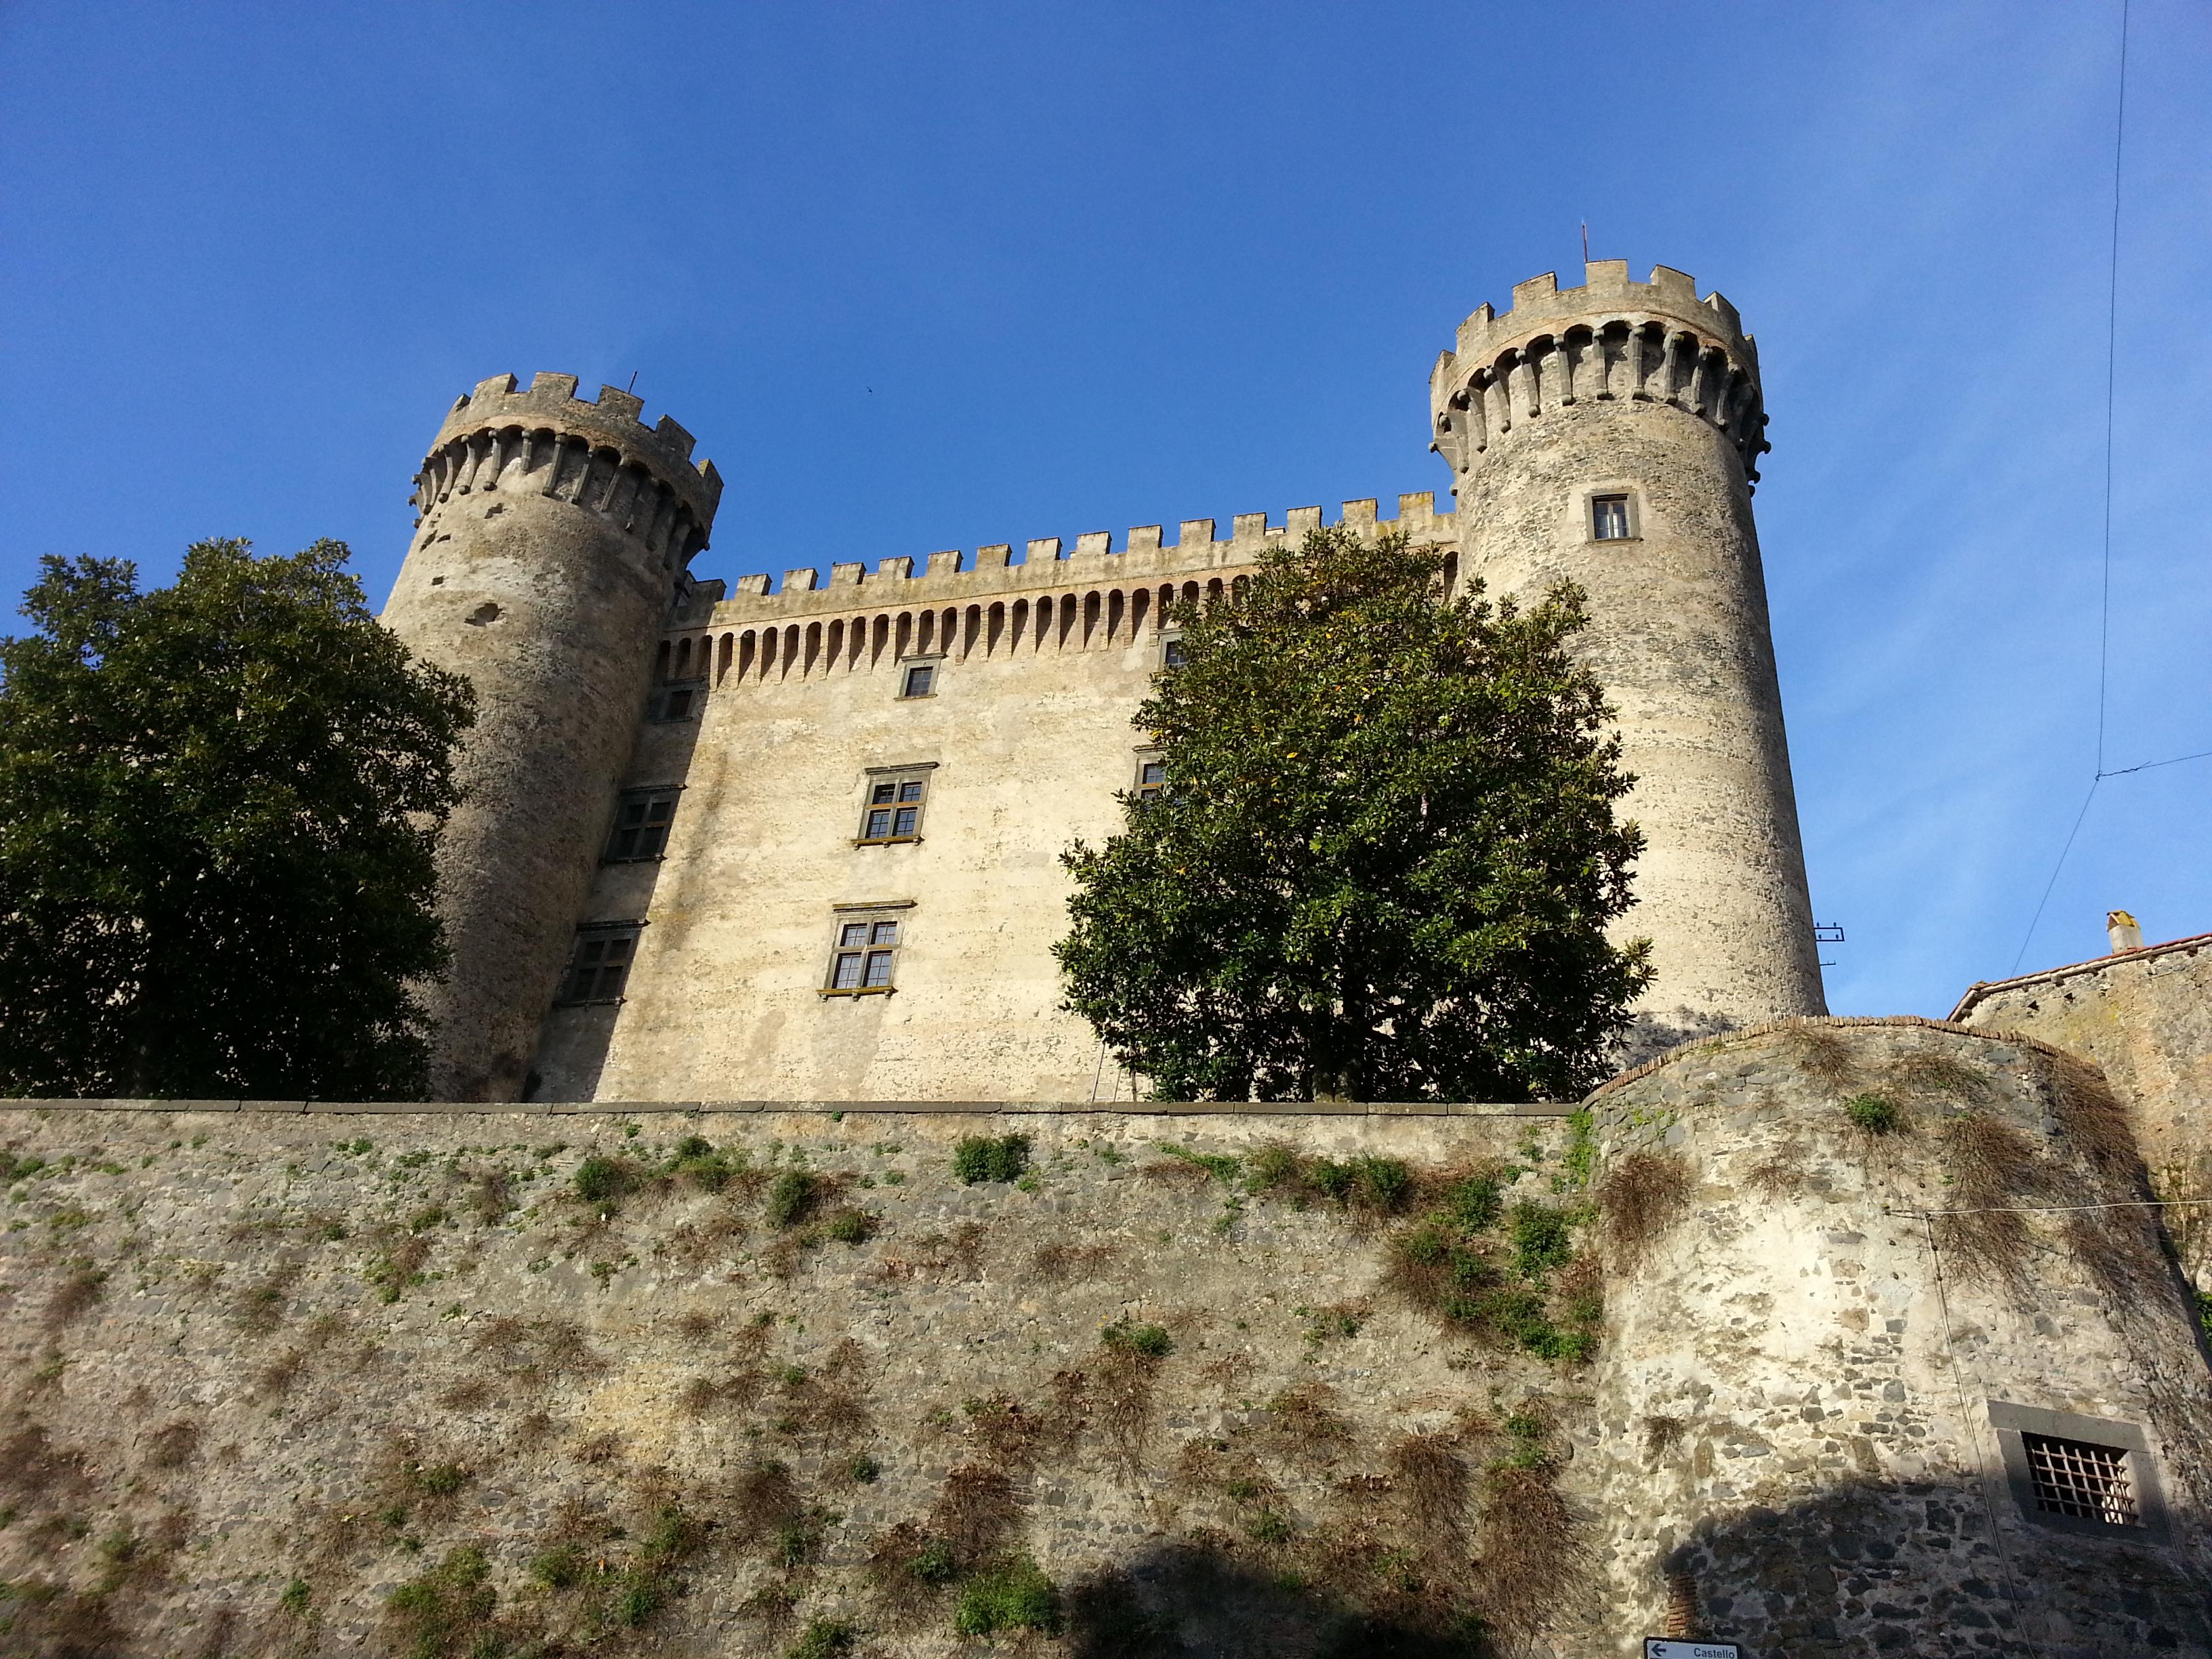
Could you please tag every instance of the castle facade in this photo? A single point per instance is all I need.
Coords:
(801, 841)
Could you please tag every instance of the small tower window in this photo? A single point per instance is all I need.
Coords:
(1172, 652)
(679, 701)
(920, 680)
(599, 965)
(642, 821)
(1152, 780)
(1609, 518)
(893, 812)
(864, 956)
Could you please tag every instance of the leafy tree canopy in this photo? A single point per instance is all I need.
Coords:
(219, 803)
(1386, 855)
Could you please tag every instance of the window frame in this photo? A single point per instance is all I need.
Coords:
(933, 661)
(1146, 795)
(2013, 1424)
(674, 792)
(1170, 648)
(1632, 512)
(871, 918)
(593, 932)
(898, 780)
(656, 708)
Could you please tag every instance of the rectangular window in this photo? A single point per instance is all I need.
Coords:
(864, 958)
(599, 965)
(920, 680)
(1172, 652)
(2080, 1480)
(1152, 780)
(1609, 518)
(642, 821)
(680, 700)
(894, 808)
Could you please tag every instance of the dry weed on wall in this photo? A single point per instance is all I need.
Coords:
(1640, 1196)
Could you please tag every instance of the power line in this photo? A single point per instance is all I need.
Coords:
(2153, 766)
(2105, 580)
(2055, 869)
(2111, 362)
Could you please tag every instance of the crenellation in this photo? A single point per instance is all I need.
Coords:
(951, 575)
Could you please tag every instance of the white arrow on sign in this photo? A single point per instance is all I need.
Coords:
(1661, 1647)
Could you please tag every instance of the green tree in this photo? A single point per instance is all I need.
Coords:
(1386, 856)
(219, 803)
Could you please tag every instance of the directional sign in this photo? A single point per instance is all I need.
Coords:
(1661, 1647)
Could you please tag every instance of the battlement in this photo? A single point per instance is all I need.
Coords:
(1144, 555)
(1610, 339)
(1539, 304)
(617, 418)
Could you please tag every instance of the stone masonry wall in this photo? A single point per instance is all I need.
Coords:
(267, 1368)
(1866, 1258)
(2145, 1018)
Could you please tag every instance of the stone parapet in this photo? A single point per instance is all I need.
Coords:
(958, 577)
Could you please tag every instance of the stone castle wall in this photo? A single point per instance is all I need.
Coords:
(1024, 741)
(2145, 1018)
(268, 1370)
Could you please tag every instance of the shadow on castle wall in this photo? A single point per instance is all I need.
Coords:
(573, 1041)
(1908, 1568)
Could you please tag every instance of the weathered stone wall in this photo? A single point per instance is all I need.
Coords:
(1642, 390)
(1026, 737)
(551, 535)
(1229, 1383)
(244, 1349)
(2145, 1018)
(1864, 1245)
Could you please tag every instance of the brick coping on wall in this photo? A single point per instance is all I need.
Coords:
(1832, 1022)
(1981, 988)
(835, 1108)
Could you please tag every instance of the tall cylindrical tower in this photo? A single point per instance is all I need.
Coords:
(1611, 434)
(551, 536)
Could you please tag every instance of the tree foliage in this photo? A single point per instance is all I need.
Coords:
(219, 803)
(1386, 855)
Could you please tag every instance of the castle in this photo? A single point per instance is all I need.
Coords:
(779, 1272)
(803, 844)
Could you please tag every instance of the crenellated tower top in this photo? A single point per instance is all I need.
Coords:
(1610, 338)
(601, 456)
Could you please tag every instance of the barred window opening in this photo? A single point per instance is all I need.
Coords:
(2081, 1480)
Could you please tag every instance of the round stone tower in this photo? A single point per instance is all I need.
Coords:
(1611, 434)
(1897, 1360)
(552, 536)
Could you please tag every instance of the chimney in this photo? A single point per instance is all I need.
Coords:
(2125, 935)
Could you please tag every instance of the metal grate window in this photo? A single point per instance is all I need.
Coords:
(921, 681)
(2075, 1477)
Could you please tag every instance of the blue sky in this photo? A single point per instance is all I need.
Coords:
(933, 276)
